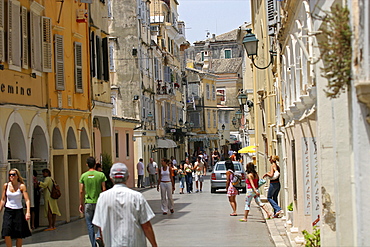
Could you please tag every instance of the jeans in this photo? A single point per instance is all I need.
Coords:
(140, 181)
(189, 182)
(272, 196)
(89, 215)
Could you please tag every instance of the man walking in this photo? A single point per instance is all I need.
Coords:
(152, 168)
(140, 173)
(122, 214)
(92, 183)
(200, 171)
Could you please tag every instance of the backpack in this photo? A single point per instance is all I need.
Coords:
(55, 191)
(236, 180)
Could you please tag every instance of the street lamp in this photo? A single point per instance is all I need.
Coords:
(150, 117)
(181, 121)
(223, 127)
(250, 43)
(238, 114)
(242, 98)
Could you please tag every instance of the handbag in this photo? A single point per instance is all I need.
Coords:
(261, 182)
(55, 191)
(276, 175)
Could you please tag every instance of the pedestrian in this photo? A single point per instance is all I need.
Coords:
(174, 162)
(51, 205)
(233, 156)
(274, 188)
(181, 174)
(166, 184)
(200, 172)
(98, 167)
(92, 183)
(152, 169)
(15, 224)
(122, 214)
(252, 192)
(35, 210)
(232, 192)
(189, 175)
(140, 173)
(215, 156)
(230, 152)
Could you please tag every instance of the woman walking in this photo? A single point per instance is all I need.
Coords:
(167, 185)
(181, 174)
(14, 221)
(189, 175)
(273, 192)
(232, 192)
(51, 205)
(252, 192)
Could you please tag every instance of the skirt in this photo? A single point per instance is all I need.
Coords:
(15, 224)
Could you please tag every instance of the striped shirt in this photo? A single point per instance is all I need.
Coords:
(120, 212)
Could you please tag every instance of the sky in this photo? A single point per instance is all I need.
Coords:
(213, 16)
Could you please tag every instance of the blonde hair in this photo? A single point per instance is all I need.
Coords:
(20, 178)
(274, 158)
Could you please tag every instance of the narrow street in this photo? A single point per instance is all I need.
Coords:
(200, 219)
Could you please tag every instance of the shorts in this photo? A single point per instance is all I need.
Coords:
(199, 178)
(153, 178)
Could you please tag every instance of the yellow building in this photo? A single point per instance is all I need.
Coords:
(45, 94)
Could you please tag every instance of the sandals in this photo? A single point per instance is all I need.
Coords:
(233, 214)
(242, 220)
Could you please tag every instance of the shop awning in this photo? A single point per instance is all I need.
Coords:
(166, 143)
(249, 149)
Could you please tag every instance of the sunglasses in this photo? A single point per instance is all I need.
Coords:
(12, 174)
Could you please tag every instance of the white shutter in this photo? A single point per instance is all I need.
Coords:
(2, 45)
(78, 67)
(25, 56)
(46, 45)
(59, 62)
(271, 16)
(36, 53)
(14, 33)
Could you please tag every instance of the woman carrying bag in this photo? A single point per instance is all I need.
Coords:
(51, 205)
(15, 224)
(274, 189)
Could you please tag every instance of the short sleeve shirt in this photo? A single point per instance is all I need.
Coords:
(152, 167)
(120, 212)
(140, 168)
(92, 181)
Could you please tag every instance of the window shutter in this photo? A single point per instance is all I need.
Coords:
(14, 33)
(98, 58)
(59, 62)
(25, 56)
(271, 16)
(92, 55)
(46, 44)
(35, 26)
(2, 45)
(105, 59)
(78, 67)
(111, 57)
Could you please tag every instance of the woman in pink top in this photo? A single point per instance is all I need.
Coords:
(252, 191)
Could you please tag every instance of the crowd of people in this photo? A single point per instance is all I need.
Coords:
(129, 208)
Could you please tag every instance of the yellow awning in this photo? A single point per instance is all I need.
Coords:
(249, 149)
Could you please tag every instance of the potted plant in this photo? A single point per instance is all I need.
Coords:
(290, 214)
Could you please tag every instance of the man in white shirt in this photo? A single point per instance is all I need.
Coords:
(140, 173)
(122, 214)
(152, 168)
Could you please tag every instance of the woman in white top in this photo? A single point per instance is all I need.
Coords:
(167, 185)
(14, 221)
